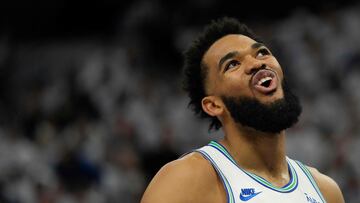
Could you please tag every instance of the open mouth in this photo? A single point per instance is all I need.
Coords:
(265, 81)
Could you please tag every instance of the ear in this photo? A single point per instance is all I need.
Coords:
(212, 105)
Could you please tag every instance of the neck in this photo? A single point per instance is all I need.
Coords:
(258, 152)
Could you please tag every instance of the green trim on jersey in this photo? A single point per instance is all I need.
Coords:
(230, 194)
(311, 178)
(285, 189)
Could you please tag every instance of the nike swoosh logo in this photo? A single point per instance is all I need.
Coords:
(246, 198)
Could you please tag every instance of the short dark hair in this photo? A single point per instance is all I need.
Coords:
(195, 71)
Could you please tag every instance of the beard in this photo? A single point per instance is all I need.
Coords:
(270, 118)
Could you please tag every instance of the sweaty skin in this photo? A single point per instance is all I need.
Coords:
(192, 178)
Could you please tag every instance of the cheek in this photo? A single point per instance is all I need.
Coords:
(275, 66)
(236, 84)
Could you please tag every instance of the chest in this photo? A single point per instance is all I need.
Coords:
(241, 186)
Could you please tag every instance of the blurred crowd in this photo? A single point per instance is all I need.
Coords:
(86, 120)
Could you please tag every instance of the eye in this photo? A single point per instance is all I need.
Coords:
(262, 52)
(231, 64)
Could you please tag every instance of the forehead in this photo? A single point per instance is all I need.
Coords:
(226, 44)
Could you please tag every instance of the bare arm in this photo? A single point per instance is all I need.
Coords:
(190, 179)
(328, 187)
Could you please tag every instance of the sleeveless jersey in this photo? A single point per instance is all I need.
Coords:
(242, 186)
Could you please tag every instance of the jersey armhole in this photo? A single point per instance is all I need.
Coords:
(227, 187)
(311, 179)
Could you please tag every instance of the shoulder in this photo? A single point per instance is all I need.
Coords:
(189, 179)
(327, 186)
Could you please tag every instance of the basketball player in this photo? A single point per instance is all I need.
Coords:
(234, 80)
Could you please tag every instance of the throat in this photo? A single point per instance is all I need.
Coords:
(258, 153)
(271, 166)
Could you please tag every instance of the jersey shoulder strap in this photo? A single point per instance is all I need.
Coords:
(239, 182)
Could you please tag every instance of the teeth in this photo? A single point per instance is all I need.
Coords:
(264, 80)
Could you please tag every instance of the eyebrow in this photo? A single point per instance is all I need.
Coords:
(232, 54)
(229, 55)
(257, 45)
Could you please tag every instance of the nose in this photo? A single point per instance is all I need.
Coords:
(253, 64)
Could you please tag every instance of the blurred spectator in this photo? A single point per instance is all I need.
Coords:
(91, 119)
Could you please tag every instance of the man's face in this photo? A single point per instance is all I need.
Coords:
(239, 66)
(250, 83)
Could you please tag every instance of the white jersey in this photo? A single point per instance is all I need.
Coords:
(242, 186)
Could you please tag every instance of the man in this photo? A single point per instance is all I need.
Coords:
(234, 80)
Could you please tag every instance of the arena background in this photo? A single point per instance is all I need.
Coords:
(91, 104)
